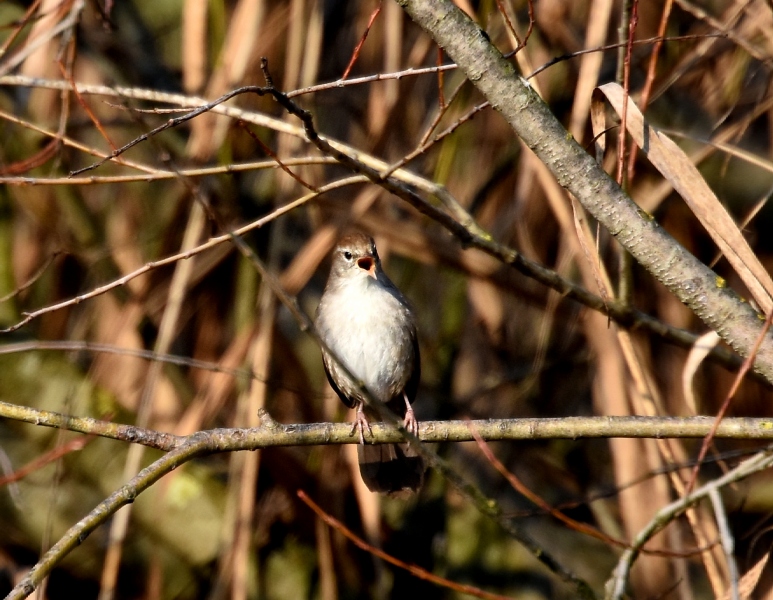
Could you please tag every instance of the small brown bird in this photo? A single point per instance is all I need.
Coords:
(365, 320)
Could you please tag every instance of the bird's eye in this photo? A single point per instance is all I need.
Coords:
(347, 255)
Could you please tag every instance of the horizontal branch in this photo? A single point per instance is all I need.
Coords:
(274, 434)
(270, 433)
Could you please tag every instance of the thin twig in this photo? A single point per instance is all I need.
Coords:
(583, 528)
(726, 537)
(616, 585)
(426, 144)
(211, 243)
(275, 157)
(414, 570)
(45, 459)
(32, 279)
(625, 66)
(163, 174)
(81, 346)
(358, 47)
(652, 40)
(747, 364)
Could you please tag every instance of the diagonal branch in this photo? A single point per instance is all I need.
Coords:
(683, 274)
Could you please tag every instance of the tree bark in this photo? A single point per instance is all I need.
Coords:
(683, 274)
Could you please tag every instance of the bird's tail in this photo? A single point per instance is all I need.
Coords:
(391, 468)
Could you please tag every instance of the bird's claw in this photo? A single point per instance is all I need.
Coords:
(410, 422)
(360, 424)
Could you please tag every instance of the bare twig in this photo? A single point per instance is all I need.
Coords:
(628, 30)
(747, 364)
(426, 144)
(583, 528)
(282, 165)
(652, 40)
(84, 346)
(358, 47)
(33, 278)
(45, 459)
(414, 570)
(726, 537)
(616, 585)
(211, 243)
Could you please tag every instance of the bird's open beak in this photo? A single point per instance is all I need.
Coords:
(366, 263)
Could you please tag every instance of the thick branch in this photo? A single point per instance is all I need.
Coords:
(682, 273)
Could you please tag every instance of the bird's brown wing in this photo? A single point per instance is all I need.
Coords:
(412, 387)
(397, 403)
(347, 400)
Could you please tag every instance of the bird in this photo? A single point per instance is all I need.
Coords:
(368, 324)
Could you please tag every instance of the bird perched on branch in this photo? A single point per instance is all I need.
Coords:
(367, 323)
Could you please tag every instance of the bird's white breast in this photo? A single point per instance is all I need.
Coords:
(370, 328)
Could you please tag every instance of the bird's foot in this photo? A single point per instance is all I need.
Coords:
(410, 422)
(361, 424)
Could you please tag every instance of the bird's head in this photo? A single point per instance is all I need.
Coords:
(355, 258)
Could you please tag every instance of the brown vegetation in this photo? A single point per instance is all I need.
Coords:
(138, 305)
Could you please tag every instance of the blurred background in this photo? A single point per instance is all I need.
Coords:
(494, 343)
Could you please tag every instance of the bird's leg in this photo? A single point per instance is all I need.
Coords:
(361, 422)
(410, 422)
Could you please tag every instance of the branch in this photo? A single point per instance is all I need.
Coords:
(682, 273)
(273, 434)
(414, 570)
(616, 585)
(196, 445)
(210, 243)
